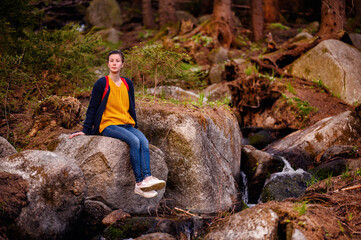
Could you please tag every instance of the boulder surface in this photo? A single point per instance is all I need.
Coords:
(336, 64)
(55, 196)
(108, 171)
(301, 147)
(6, 149)
(202, 147)
(252, 223)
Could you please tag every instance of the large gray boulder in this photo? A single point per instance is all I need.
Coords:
(174, 92)
(110, 34)
(218, 92)
(215, 73)
(104, 13)
(108, 171)
(301, 147)
(202, 149)
(55, 196)
(336, 64)
(356, 40)
(252, 223)
(6, 149)
(284, 185)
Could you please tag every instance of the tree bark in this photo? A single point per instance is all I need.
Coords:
(147, 13)
(271, 11)
(257, 19)
(167, 12)
(333, 17)
(222, 10)
(222, 23)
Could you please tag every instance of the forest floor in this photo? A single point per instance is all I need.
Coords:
(39, 129)
(28, 130)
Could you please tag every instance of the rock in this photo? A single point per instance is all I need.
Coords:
(104, 13)
(356, 40)
(284, 185)
(215, 73)
(114, 216)
(332, 168)
(153, 228)
(302, 146)
(110, 35)
(108, 171)
(173, 92)
(218, 55)
(300, 36)
(252, 223)
(131, 228)
(183, 15)
(298, 235)
(202, 151)
(240, 61)
(90, 222)
(258, 165)
(156, 236)
(337, 151)
(13, 190)
(218, 92)
(336, 64)
(6, 149)
(258, 137)
(335, 160)
(185, 27)
(55, 197)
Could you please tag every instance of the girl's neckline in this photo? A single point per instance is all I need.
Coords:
(120, 81)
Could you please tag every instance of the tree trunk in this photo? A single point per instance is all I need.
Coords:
(222, 10)
(333, 17)
(222, 23)
(147, 13)
(167, 12)
(257, 19)
(271, 11)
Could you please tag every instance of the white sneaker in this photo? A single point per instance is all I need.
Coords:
(153, 183)
(149, 194)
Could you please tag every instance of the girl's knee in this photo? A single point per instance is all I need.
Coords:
(134, 142)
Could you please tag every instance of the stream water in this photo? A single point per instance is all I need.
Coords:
(287, 171)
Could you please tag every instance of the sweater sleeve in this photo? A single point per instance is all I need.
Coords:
(132, 102)
(94, 104)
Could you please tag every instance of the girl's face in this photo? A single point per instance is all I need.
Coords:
(115, 63)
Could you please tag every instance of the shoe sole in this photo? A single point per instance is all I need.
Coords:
(145, 195)
(157, 186)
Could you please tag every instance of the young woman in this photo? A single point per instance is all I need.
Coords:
(111, 113)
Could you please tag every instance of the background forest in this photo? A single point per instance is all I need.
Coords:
(252, 108)
(58, 47)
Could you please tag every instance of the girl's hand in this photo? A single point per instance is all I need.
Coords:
(76, 134)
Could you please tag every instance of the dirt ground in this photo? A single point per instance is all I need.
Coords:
(331, 213)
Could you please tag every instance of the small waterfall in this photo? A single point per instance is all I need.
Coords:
(299, 177)
(287, 170)
(244, 188)
(287, 167)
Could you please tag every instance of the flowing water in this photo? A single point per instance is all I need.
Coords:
(244, 188)
(286, 171)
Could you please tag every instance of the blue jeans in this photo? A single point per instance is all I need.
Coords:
(138, 148)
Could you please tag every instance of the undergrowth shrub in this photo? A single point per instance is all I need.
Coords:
(153, 65)
(47, 63)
